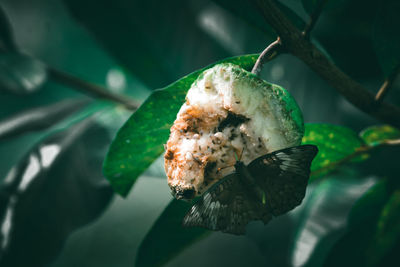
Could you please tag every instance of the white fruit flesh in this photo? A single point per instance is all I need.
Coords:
(228, 113)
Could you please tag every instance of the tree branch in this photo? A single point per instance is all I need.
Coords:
(37, 119)
(314, 18)
(294, 42)
(84, 86)
(91, 89)
(268, 54)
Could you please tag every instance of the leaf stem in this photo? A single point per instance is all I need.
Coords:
(268, 54)
(90, 88)
(361, 150)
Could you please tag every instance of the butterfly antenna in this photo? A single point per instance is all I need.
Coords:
(236, 155)
(241, 154)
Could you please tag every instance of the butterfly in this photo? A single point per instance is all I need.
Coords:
(270, 185)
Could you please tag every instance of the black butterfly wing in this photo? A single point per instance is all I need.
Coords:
(283, 175)
(225, 207)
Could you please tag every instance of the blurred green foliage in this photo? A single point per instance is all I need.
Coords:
(57, 209)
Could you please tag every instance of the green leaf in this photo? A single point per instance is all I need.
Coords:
(351, 249)
(334, 144)
(387, 231)
(20, 74)
(7, 42)
(324, 216)
(377, 134)
(53, 190)
(354, 239)
(386, 37)
(140, 141)
(167, 238)
(372, 200)
(20, 145)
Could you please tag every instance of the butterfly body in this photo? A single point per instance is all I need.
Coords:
(248, 183)
(270, 185)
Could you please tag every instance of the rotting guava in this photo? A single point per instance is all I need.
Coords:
(229, 113)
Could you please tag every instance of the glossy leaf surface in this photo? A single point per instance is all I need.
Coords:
(324, 218)
(351, 248)
(334, 144)
(42, 196)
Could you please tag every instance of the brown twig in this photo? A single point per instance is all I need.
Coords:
(268, 54)
(314, 18)
(387, 84)
(91, 89)
(295, 43)
(391, 142)
(338, 163)
(65, 78)
(361, 150)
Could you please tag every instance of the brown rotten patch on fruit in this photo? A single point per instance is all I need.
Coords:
(228, 112)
